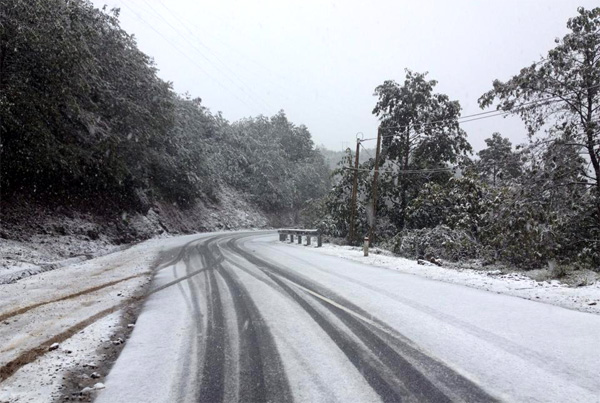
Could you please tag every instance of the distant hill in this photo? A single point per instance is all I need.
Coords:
(332, 158)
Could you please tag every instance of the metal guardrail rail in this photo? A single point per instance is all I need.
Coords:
(308, 233)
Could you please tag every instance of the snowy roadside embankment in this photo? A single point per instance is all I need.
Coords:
(36, 239)
(61, 329)
(20, 259)
(584, 298)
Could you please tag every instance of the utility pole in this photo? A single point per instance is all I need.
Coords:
(354, 192)
(375, 177)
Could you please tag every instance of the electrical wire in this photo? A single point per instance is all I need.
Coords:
(224, 68)
(282, 92)
(189, 58)
(405, 171)
(238, 51)
(436, 170)
(367, 151)
(483, 115)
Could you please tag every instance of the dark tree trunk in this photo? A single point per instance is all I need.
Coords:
(591, 129)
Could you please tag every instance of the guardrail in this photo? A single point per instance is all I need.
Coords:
(308, 233)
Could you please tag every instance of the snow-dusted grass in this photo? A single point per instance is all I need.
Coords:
(584, 298)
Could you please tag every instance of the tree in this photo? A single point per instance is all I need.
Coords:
(459, 204)
(420, 130)
(498, 162)
(85, 122)
(540, 216)
(82, 112)
(335, 206)
(561, 93)
(274, 161)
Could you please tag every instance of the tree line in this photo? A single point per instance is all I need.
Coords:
(529, 206)
(86, 121)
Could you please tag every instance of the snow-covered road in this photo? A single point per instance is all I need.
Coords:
(243, 317)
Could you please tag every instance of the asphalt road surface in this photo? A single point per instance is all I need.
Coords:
(244, 317)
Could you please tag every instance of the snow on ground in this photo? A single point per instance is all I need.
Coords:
(35, 239)
(163, 329)
(518, 350)
(68, 296)
(23, 259)
(81, 306)
(73, 357)
(77, 306)
(584, 298)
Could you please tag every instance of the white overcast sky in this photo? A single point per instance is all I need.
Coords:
(321, 60)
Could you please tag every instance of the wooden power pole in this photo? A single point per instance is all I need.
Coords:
(351, 235)
(375, 177)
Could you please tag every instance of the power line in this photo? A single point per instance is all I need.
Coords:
(282, 89)
(250, 96)
(398, 165)
(434, 170)
(462, 119)
(367, 151)
(218, 38)
(223, 64)
(484, 115)
(255, 99)
(187, 57)
(404, 171)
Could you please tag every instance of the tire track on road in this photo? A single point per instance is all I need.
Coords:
(25, 309)
(212, 386)
(31, 355)
(549, 363)
(392, 375)
(261, 373)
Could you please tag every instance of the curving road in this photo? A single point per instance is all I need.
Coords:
(243, 317)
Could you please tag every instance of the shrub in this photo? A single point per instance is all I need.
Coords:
(438, 242)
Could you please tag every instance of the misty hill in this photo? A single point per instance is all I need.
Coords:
(333, 158)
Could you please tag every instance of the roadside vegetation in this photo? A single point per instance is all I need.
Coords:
(532, 206)
(86, 124)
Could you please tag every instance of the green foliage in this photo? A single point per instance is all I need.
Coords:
(556, 213)
(497, 162)
(332, 158)
(84, 118)
(272, 160)
(419, 127)
(458, 204)
(335, 207)
(561, 92)
(529, 209)
(80, 105)
(439, 242)
(420, 131)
